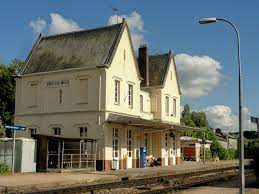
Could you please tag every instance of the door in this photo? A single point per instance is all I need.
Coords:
(115, 149)
(129, 149)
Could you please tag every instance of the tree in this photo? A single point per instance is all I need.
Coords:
(7, 90)
(186, 117)
(2, 129)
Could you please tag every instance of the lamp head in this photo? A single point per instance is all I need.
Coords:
(207, 20)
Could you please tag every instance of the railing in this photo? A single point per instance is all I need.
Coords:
(79, 161)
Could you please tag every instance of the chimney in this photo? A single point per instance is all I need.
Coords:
(143, 64)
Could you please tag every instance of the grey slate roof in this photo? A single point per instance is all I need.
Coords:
(158, 69)
(78, 49)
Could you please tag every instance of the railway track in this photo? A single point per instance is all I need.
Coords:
(160, 184)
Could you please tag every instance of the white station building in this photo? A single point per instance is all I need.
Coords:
(88, 101)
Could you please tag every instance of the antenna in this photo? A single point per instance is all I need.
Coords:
(115, 11)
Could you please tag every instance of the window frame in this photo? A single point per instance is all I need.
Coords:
(174, 103)
(56, 131)
(115, 142)
(117, 91)
(167, 105)
(141, 98)
(130, 95)
(84, 131)
(129, 143)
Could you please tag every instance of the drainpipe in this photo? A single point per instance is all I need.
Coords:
(99, 97)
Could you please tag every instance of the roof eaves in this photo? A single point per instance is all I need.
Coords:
(171, 56)
(31, 53)
(115, 44)
(177, 77)
(166, 69)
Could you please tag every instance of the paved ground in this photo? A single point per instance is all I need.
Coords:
(228, 187)
(47, 180)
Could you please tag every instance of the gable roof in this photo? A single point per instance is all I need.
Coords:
(159, 67)
(85, 48)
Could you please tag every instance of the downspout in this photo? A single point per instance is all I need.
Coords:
(99, 97)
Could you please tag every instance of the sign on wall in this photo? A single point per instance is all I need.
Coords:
(58, 83)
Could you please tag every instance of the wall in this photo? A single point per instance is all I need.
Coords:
(123, 68)
(170, 89)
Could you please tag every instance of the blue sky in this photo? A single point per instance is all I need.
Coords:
(162, 25)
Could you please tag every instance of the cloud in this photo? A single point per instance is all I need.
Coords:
(38, 26)
(136, 26)
(58, 24)
(198, 74)
(221, 116)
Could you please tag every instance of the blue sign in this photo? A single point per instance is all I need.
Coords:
(15, 127)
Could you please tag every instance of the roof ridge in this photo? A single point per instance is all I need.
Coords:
(159, 54)
(78, 31)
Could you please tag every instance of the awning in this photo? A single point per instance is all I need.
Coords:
(152, 124)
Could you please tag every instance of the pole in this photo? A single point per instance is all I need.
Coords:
(204, 147)
(241, 136)
(13, 152)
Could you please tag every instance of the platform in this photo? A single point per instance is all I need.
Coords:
(43, 181)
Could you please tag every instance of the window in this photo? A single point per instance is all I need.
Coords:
(115, 143)
(141, 103)
(60, 96)
(174, 107)
(130, 96)
(124, 55)
(117, 92)
(83, 131)
(83, 90)
(33, 131)
(56, 130)
(171, 75)
(129, 143)
(167, 105)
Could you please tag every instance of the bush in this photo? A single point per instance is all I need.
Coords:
(256, 160)
(4, 169)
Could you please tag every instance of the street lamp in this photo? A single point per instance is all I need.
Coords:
(241, 137)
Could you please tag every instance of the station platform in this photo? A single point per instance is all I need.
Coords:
(42, 181)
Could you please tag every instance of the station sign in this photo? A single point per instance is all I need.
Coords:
(15, 127)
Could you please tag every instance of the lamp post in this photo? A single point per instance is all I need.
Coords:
(241, 137)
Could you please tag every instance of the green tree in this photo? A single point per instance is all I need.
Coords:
(2, 130)
(186, 117)
(7, 90)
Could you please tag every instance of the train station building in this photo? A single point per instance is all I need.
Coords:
(90, 102)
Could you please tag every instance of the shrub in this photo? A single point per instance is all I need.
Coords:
(4, 169)
(256, 160)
